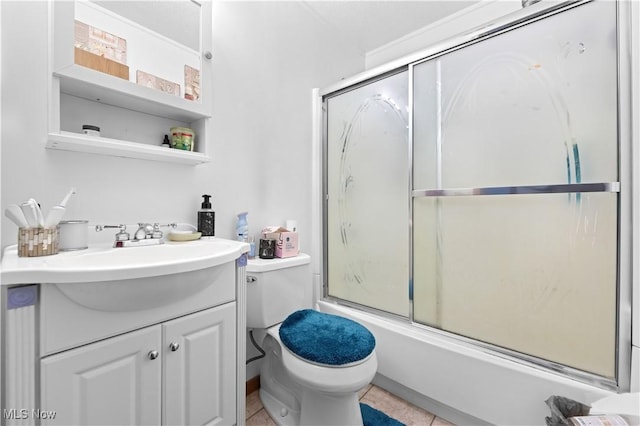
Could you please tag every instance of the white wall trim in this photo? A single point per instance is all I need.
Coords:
(463, 20)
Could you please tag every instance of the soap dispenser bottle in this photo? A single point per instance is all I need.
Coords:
(242, 227)
(206, 218)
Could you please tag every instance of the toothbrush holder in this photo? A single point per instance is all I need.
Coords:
(34, 242)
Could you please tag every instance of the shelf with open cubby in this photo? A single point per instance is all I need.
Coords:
(99, 92)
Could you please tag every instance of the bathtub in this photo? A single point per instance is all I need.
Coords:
(458, 382)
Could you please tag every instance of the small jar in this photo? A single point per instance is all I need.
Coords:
(182, 138)
(90, 130)
(73, 235)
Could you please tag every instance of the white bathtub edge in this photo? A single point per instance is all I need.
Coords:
(486, 387)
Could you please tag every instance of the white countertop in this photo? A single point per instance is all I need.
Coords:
(102, 262)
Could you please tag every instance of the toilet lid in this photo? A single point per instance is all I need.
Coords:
(326, 338)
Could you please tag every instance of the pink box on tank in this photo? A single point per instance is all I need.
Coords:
(287, 244)
(286, 241)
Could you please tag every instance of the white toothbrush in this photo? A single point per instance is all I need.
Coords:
(66, 198)
(30, 214)
(14, 213)
(37, 212)
(56, 212)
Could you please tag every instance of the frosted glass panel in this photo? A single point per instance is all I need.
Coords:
(532, 273)
(368, 204)
(536, 274)
(536, 105)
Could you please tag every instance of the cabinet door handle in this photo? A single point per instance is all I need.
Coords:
(152, 355)
(174, 346)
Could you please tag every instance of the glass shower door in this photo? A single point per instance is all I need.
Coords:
(367, 195)
(515, 201)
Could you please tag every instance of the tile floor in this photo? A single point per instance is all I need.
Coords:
(372, 395)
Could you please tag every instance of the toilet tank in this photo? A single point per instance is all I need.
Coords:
(276, 288)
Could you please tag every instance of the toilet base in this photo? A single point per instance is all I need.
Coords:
(322, 409)
(316, 409)
(279, 412)
(291, 404)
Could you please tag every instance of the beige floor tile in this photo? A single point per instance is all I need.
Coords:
(253, 404)
(397, 408)
(261, 418)
(441, 422)
(374, 396)
(364, 391)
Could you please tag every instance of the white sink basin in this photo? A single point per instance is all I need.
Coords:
(105, 263)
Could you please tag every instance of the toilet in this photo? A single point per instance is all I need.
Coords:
(315, 363)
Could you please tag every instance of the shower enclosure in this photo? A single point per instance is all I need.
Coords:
(477, 192)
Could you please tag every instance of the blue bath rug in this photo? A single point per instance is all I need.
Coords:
(326, 338)
(373, 417)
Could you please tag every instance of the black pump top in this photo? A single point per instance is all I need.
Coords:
(206, 204)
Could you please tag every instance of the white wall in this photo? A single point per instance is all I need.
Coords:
(267, 58)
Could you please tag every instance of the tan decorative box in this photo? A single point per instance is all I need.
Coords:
(100, 50)
(100, 63)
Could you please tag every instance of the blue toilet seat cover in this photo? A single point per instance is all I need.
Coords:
(326, 338)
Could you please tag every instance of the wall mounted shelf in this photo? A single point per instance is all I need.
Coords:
(134, 116)
(67, 141)
(93, 85)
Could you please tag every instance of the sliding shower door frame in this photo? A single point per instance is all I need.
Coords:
(628, 210)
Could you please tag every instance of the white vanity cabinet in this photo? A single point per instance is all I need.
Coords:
(199, 368)
(161, 39)
(124, 336)
(109, 382)
(179, 372)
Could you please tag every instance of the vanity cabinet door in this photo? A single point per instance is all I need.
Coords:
(200, 368)
(111, 382)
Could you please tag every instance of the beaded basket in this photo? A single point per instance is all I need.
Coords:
(33, 242)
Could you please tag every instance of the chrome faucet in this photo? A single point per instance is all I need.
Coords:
(145, 231)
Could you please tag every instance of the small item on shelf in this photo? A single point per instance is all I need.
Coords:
(100, 43)
(91, 130)
(100, 50)
(191, 83)
(100, 63)
(157, 83)
(182, 138)
(166, 143)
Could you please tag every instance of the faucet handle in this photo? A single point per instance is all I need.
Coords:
(168, 225)
(122, 235)
(157, 233)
